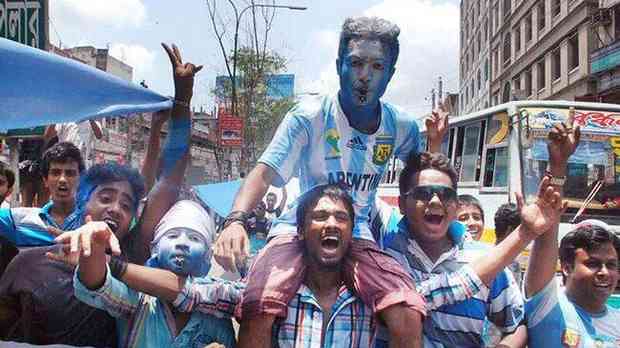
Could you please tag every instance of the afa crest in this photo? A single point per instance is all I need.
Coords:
(570, 338)
(381, 153)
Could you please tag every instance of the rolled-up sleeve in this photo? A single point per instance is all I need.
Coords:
(208, 295)
(113, 296)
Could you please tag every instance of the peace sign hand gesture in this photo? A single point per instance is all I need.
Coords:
(563, 140)
(182, 73)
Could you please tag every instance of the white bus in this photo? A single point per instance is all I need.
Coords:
(502, 150)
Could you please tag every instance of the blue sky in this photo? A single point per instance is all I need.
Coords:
(133, 29)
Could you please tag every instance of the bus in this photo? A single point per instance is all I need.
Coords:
(503, 149)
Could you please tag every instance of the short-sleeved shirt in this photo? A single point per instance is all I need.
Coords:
(316, 143)
(38, 292)
(554, 321)
(457, 324)
(28, 226)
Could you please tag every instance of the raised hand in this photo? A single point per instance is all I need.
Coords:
(563, 140)
(436, 127)
(544, 214)
(232, 248)
(182, 73)
(93, 234)
(160, 117)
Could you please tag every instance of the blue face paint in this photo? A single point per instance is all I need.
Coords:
(365, 70)
(184, 252)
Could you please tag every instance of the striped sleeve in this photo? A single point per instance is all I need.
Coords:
(450, 288)
(211, 296)
(506, 309)
(113, 296)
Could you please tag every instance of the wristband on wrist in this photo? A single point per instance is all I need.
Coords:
(555, 180)
(118, 267)
(181, 102)
(236, 216)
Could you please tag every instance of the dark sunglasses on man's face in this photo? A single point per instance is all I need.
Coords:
(425, 193)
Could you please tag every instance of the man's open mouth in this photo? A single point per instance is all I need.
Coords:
(434, 219)
(330, 242)
(113, 224)
(179, 259)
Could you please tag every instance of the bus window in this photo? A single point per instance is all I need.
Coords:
(470, 142)
(448, 143)
(496, 167)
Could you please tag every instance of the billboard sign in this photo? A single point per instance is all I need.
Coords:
(230, 128)
(24, 21)
(281, 86)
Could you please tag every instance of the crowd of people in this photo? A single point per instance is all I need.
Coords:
(117, 258)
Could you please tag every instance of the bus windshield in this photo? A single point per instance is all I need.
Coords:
(593, 174)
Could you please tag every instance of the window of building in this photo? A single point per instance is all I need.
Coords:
(556, 7)
(479, 80)
(507, 52)
(556, 64)
(541, 15)
(516, 85)
(541, 74)
(495, 17)
(507, 8)
(486, 30)
(486, 69)
(573, 52)
(528, 27)
(518, 39)
(527, 79)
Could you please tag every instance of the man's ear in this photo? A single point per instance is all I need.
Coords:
(566, 269)
(45, 182)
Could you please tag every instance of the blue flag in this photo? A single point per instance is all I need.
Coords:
(39, 88)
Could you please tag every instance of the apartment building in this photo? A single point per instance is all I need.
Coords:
(538, 49)
(474, 51)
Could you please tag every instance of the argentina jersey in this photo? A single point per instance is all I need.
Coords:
(316, 143)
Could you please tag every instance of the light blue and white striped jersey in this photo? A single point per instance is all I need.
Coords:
(460, 324)
(554, 321)
(316, 143)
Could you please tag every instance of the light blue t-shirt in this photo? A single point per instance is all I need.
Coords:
(554, 321)
(316, 143)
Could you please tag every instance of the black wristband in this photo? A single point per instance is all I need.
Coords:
(118, 267)
(236, 216)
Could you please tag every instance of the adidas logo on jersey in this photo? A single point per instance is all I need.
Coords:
(356, 143)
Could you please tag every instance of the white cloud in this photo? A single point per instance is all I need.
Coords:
(116, 13)
(141, 59)
(428, 49)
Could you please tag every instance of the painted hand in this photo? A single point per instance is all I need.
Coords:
(563, 140)
(92, 235)
(183, 74)
(232, 248)
(544, 214)
(437, 125)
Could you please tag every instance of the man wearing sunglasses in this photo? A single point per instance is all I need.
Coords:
(428, 241)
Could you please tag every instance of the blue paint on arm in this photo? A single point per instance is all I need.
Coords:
(177, 143)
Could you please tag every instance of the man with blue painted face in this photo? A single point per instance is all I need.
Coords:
(182, 245)
(344, 138)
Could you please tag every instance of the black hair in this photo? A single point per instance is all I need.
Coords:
(589, 237)
(8, 173)
(372, 28)
(62, 152)
(271, 194)
(506, 216)
(469, 200)
(308, 200)
(416, 162)
(100, 174)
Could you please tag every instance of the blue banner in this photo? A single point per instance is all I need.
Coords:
(39, 88)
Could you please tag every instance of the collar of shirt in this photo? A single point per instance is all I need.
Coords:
(71, 222)
(456, 232)
(344, 297)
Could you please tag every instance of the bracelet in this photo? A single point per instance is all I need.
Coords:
(236, 216)
(181, 102)
(118, 267)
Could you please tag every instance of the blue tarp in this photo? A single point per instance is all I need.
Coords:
(220, 196)
(39, 88)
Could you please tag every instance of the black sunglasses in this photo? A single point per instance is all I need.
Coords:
(425, 193)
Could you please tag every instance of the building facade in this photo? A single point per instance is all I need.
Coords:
(537, 49)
